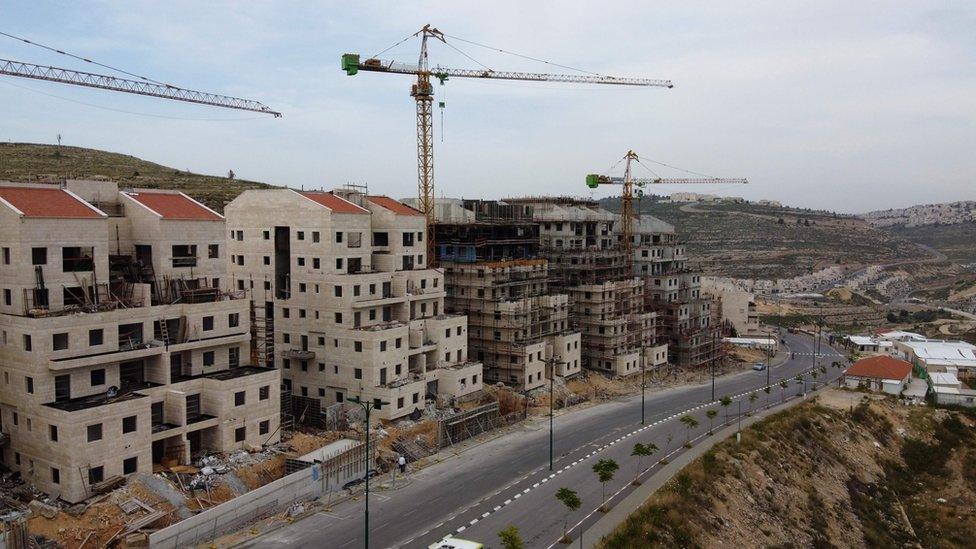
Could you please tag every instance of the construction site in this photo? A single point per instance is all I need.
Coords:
(171, 375)
(521, 330)
(513, 266)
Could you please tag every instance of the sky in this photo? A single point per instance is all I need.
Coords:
(846, 106)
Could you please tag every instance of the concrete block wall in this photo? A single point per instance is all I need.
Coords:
(304, 485)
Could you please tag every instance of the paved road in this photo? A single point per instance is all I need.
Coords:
(507, 481)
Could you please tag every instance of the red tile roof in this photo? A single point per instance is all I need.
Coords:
(394, 206)
(48, 202)
(335, 203)
(174, 206)
(880, 367)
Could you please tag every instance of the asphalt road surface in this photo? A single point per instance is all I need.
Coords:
(506, 481)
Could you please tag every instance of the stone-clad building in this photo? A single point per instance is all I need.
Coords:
(121, 342)
(343, 301)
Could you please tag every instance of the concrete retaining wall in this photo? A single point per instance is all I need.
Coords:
(262, 502)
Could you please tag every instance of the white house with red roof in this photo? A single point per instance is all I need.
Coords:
(879, 373)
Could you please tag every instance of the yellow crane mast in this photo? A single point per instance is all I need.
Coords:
(628, 183)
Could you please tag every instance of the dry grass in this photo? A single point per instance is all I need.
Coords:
(34, 162)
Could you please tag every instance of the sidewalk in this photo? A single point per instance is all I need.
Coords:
(592, 536)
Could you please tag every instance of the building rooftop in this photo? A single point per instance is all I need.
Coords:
(749, 340)
(944, 379)
(174, 206)
(862, 340)
(944, 353)
(333, 202)
(880, 367)
(903, 336)
(50, 202)
(394, 206)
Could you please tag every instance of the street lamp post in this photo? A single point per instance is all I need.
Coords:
(739, 427)
(368, 407)
(552, 376)
(643, 383)
(714, 358)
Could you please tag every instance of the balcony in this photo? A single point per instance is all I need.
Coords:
(94, 401)
(298, 354)
(162, 427)
(125, 353)
(199, 418)
(189, 261)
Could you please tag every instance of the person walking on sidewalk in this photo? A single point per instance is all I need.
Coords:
(402, 463)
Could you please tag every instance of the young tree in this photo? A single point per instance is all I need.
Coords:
(690, 422)
(766, 390)
(511, 539)
(571, 500)
(711, 419)
(783, 384)
(640, 451)
(725, 402)
(604, 469)
(752, 398)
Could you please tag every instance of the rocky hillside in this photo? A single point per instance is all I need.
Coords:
(33, 162)
(757, 241)
(823, 475)
(924, 214)
(949, 228)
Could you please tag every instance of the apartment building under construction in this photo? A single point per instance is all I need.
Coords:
(687, 318)
(343, 301)
(518, 327)
(121, 343)
(581, 243)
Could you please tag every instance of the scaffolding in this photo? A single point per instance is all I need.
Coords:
(262, 328)
(509, 308)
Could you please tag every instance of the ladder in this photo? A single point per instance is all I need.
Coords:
(164, 331)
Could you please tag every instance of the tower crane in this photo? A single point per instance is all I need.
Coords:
(628, 182)
(139, 87)
(423, 93)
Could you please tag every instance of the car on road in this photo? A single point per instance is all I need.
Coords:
(356, 481)
(759, 366)
(451, 542)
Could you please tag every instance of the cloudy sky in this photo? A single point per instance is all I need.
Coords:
(849, 106)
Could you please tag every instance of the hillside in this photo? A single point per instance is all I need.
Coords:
(754, 241)
(33, 162)
(957, 241)
(822, 475)
(948, 213)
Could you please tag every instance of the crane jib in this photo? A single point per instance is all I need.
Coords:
(105, 82)
(352, 65)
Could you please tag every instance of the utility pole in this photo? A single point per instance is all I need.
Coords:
(368, 407)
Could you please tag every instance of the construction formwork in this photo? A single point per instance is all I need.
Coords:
(512, 317)
(588, 262)
(494, 275)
